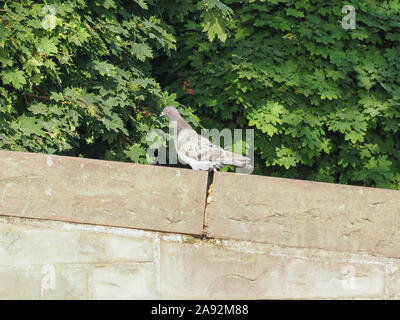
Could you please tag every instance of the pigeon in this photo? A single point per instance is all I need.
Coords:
(196, 150)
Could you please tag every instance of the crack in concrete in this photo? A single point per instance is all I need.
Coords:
(208, 199)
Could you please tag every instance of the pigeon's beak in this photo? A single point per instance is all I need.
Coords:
(162, 114)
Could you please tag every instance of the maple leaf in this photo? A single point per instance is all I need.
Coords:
(15, 77)
(47, 46)
(141, 51)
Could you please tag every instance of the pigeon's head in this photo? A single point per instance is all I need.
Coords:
(171, 113)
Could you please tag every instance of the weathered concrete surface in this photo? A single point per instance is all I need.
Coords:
(393, 281)
(195, 272)
(102, 192)
(305, 214)
(54, 260)
(123, 281)
(20, 283)
(70, 281)
(268, 237)
(122, 263)
(27, 245)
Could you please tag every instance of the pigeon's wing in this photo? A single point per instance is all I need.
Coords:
(198, 148)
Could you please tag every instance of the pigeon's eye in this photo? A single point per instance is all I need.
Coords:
(166, 110)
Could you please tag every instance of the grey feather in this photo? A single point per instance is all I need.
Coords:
(196, 150)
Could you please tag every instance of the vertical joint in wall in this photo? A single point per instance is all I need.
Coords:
(207, 203)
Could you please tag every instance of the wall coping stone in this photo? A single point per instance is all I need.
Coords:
(102, 192)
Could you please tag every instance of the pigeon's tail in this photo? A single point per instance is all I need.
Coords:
(236, 160)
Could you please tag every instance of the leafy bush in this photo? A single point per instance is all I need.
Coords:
(324, 101)
(83, 78)
(76, 79)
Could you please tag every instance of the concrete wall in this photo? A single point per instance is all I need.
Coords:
(73, 228)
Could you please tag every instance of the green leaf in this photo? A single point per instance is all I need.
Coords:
(294, 13)
(29, 125)
(15, 77)
(104, 68)
(142, 4)
(109, 4)
(57, 96)
(213, 28)
(354, 136)
(141, 51)
(47, 46)
(5, 59)
(38, 108)
(210, 4)
(136, 153)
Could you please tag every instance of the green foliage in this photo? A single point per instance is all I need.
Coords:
(215, 16)
(75, 77)
(89, 78)
(324, 101)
